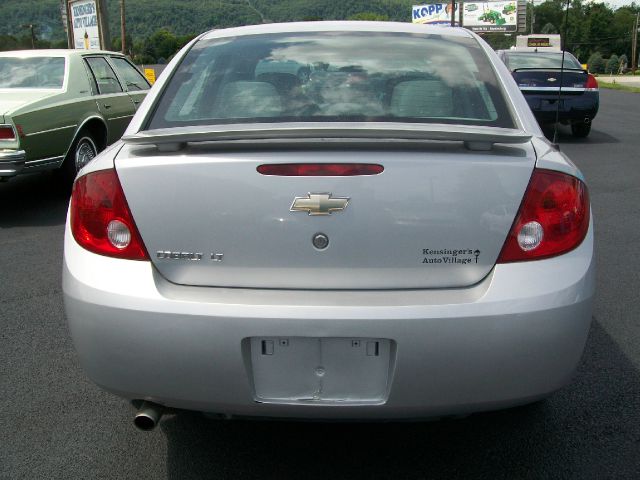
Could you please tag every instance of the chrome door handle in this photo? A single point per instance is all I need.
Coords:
(106, 105)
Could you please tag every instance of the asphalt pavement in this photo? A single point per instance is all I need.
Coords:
(54, 423)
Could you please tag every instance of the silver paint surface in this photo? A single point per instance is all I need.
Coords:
(467, 338)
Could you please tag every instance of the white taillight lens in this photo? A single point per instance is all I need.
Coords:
(530, 236)
(118, 234)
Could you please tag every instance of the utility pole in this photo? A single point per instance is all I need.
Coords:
(31, 27)
(453, 13)
(634, 46)
(123, 27)
(103, 20)
(533, 15)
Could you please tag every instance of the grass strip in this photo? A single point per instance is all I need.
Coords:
(618, 86)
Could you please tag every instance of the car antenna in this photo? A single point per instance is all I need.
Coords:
(564, 49)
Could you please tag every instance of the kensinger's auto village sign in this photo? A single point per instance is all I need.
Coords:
(491, 16)
(87, 24)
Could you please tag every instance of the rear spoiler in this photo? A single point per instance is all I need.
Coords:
(553, 69)
(474, 137)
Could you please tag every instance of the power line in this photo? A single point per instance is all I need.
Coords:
(600, 40)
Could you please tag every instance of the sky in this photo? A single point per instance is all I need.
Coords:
(615, 3)
(611, 3)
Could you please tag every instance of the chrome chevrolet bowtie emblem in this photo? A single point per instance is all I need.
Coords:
(319, 204)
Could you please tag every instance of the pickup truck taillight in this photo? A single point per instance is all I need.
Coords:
(101, 221)
(553, 218)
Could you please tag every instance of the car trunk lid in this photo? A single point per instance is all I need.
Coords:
(436, 217)
(547, 81)
(13, 99)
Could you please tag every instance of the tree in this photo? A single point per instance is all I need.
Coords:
(549, 28)
(624, 61)
(375, 17)
(613, 64)
(596, 63)
(499, 41)
(8, 42)
(116, 43)
(548, 12)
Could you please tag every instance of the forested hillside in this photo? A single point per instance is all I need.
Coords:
(184, 17)
(157, 28)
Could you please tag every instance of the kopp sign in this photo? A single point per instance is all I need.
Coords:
(433, 14)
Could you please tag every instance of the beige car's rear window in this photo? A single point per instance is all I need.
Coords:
(32, 72)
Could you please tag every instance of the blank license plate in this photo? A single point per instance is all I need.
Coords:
(322, 370)
(551, 105)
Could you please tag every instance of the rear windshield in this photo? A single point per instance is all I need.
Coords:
(541, 60)
(33, 72)
(333, 76)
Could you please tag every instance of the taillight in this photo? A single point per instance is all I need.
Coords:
(7, 133)
(553, 218)
(101, 220)
(592, 83)
(320, 169)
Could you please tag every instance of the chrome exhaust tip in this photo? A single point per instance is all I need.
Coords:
(148, 416)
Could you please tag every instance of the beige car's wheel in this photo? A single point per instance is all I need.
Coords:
(82, 151)
(85, 150)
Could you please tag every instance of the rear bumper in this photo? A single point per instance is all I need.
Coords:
(11, 162)
(513, 338)
(572, 107)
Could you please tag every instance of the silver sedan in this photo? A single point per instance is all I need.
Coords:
(345, 220)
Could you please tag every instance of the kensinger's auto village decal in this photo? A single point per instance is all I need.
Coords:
(449, 256)
(501, 16)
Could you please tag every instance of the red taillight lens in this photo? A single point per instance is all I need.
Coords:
(592, 83)
(553, 218)
(7, 133)
(101, 220)
(320, 169)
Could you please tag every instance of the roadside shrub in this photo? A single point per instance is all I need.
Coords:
(624, 61)
(596, 63)
(613, 64)
(370, 16)
(549, 28)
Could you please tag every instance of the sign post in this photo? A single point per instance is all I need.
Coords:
(87, 25)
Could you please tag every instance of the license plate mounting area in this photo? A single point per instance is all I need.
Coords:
(312, 370)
